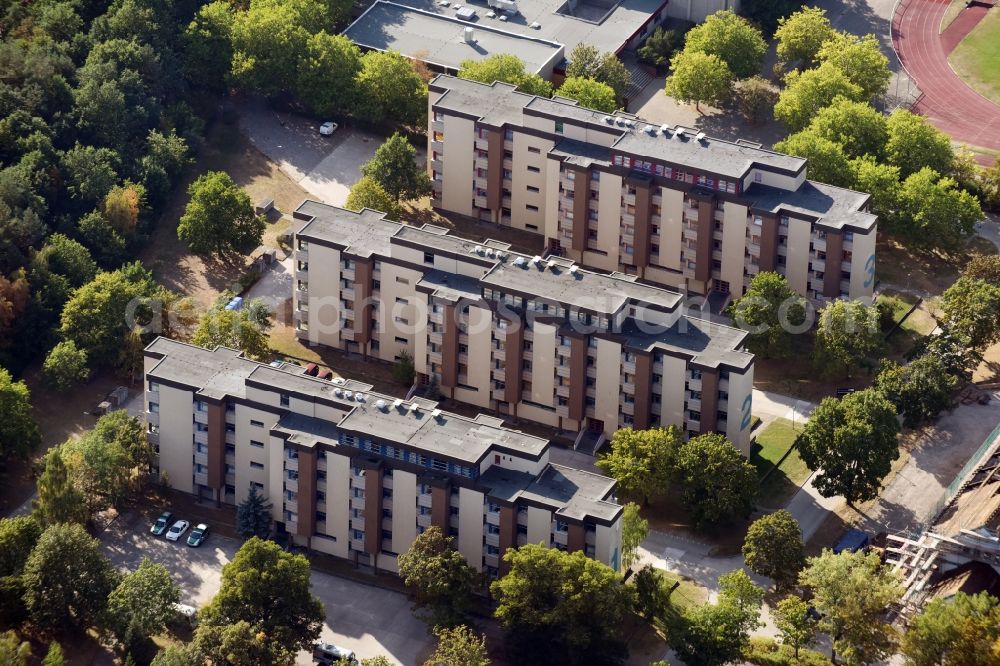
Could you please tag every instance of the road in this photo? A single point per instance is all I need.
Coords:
(367, 619)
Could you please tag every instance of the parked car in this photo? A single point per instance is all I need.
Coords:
(198, 535)
(328, 653)
(328, 128)
(177, 530)
(161, 524)
(188, 614)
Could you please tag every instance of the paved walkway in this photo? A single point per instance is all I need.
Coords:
(947, 101)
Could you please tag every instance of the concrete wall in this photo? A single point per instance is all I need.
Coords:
(539, 526)
(797, 258)
(739, 409)
(734, 230)
(404, 510)
(672, 400)
(324, 295)
(457, 169)
(608, 390)
(176, 409)
(863, 266)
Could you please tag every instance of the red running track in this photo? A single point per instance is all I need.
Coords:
(947, 101)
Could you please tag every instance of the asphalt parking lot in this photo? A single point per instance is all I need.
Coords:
(367, 619)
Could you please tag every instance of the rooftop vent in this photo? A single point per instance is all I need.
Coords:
(360, 397)
(501, 256)
(380, 404)
(551, 264)
(396, 403)
(415, 408)
(609, 119)
(629, 124)
(470, 35)
(651, 130)
(519, 261)
(489, 252)
(338, 392)
(436, 413)
(700, 136)
(479, 249)
(339, 381)
(664, 129)
(536, 25)
(620, 121)
(574, 268)
(680, 132)
(536, 259)
(502, 17)
(349, 395)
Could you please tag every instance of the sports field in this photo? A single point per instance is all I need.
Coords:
(977, 58)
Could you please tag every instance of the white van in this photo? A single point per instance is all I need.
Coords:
(328, 653)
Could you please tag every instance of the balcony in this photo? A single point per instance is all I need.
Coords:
(482, 144)
(424, 520)
(358, 503)
(153, 438)
(358, 545)
(301, 295)
(424, 500)
(201, 417)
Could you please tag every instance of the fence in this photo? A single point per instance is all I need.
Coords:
(956, 485)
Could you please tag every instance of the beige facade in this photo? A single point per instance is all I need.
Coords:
(666, 204)
(359, 475)
(525, 337)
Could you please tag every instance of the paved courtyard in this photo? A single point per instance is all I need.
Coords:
(326, 167)
(369, 620)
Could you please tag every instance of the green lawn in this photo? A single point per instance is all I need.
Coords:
(782, 483)
(977, 58)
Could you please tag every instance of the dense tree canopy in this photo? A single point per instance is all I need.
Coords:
(219, 219)
(806, 93)
(18, 430)
(971, 308)
(560, 607)
(855, 126)
(642, 461)
(800, 36)
(733, 39)
(847, 334)
(439, 576)
(963, 630)
(508, 69)
(18, 536)
(698, 77)
(920, 390)
(241, 329)
(915, 144)
(393, 91)
(773, 547)
(717, 482)
(933, 211)
(142, 603)
(827, 161)
(394, 167)
(851, 444)
(860, 59)
(587, 62)
(58, 499)
(590, 93)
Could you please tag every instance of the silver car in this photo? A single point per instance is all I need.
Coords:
(177, 530)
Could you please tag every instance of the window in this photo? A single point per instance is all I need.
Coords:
(532, 188)
(154, 408)
(256, 444)
(428, 257)
(153, 386)
(562, 526)
(256, 424)
(284, 400)
(402, 280)
(534, 169)
(532, 208)
(533, 149)
(559, 127)
(256, 465)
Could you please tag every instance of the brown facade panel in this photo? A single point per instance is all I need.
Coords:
(769, 243)
(373, 509)
(508, 534)
(577, 378)
(440, 506)
(642, 407)
(449, 347)
(307, 494)
(216, 445)
(576, 537)
(362, 302)
(709, 400)
(834, 259)
(513, 344)
(643, 224)
(494, 171)
(581, 206)
(706, 229)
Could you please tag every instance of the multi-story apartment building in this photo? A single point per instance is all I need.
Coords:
(667, 204)
(358, 475)
(523, 336)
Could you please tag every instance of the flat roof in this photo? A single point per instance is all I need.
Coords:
(363, 233)
(605, 24)
(830, 206)
(438, 38)
(569, 492)
(706, 342)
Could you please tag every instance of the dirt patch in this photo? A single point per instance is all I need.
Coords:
(228, 150)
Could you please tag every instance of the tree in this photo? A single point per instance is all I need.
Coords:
(985, 267)
(660, 46)
(508, 69)
(440, 578)
(367, 193)
(963, 630)
(96, 318)
(219, 219)
(635, 529)
(642, 461)
(827, 161)
(18, 536)
(717, 482)
(698, 77)
(851, 443)
(208, 46)
(879, 180)
(920, 390)
(14, 651)
(65, 366)
(915, 144)
(715, 634)
(795, 623)
(15, 294)
(733, 39)
(58, 501)
(269, 589)
(773, 548)
(236, 329)
(560, 607)
(587, 62)
(855, 126)
(253, 515)
(105, 244)
(807, 92)
(178, 655)
(123, 205)
(755, 97)
(972, 308)
(90, 173)
(403, 371)
(847, 333)
(389, 89)
(67, 579)
(327, 74)
(238, 643)
(459, 646)
(800, 36)
(590, 93)
(18, 430)
(769, 310)
(108, 462)
(851, 591)
(269, 41)
(394, 167)
(861, 59)
(142, 603)
(934, 211)
(54, 656)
